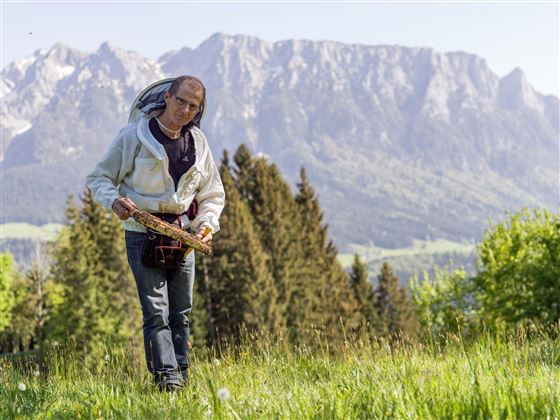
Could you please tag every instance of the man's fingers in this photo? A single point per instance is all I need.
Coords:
(205, 236)
(124, 214)
(128, 205)
(122, 207)
(125, 203)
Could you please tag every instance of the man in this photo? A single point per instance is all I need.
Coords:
(161, 164)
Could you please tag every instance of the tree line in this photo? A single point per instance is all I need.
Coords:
(273, 269)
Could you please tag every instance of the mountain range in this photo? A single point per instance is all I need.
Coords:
(400, 143)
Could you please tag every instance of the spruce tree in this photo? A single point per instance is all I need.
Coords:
(313, 289)
(364, 294)
(27, 327)
(395, 308)
(310, 298)
(277, 223)
(199, 318)
(244, 174)
(112, 270)
(326, 288)
(93, 296)
(242, 290)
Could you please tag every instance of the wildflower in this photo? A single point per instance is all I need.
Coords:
(21, 386)
(223, 394)
(216, 362)
(107, 358)
(209, 413)
(36, 373)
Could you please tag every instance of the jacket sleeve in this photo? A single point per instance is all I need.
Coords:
(110, 171)
(210, 197)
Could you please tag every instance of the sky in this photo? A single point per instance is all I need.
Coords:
(507, 34)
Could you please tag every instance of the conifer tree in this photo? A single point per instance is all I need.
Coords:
(92, 292)
(112, 270)
(310, 297)
(206, 323)
(277, 224)
(199, 318)
(242, 290)
(327, 289)
(244, 174)
(313, 289)
(26, 329)
(364, 294)
(395, 308)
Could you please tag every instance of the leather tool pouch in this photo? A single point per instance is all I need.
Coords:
(160, 251)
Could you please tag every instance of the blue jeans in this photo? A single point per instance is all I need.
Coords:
(166, 299)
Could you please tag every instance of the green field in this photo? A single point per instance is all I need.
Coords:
(438, 246)
(27, 231)
(421, 256)
(492, 379)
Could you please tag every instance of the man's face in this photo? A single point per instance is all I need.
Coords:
(184, 105)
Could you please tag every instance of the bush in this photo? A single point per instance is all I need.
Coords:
(517, 281)
(6, 291)
(446, 301)
(518, 266)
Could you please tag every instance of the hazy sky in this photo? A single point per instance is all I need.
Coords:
(506, 34)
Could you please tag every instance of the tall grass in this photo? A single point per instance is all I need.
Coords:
(501, 376)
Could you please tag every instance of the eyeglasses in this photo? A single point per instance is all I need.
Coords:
(183, 103)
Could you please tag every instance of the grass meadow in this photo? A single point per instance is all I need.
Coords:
(420, 257)
(28, 231)
(491, 378)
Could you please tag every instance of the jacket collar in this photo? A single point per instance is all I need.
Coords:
(157, 149)
(199, 144)
(148, 140)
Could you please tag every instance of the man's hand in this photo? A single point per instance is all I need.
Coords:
(205, 234)
(122, 207)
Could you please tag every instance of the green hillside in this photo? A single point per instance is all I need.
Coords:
(421, 256)
(28, 231)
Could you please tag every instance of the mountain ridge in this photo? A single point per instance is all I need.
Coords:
(412, 137)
